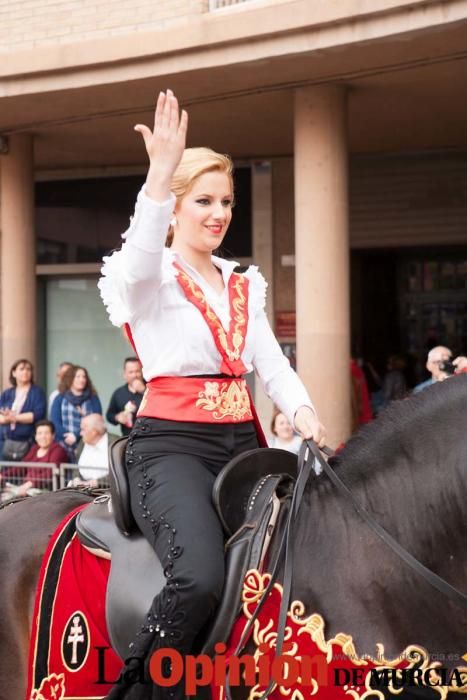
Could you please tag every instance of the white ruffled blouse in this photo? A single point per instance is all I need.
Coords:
(139, 287)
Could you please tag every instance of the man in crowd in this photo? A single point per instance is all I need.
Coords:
(125, 400)
(436, 359)
(93, 452)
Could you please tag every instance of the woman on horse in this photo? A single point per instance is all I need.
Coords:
(197, 327)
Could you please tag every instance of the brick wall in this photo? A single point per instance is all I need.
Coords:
(27, 24)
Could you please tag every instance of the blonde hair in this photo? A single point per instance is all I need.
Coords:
(194, 163)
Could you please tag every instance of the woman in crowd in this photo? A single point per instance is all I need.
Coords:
(22, 405)
(45, 450)
(76, 399)
(283, 433)
(197, 327)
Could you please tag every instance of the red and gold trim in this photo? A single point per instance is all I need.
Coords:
(231, 344)
(319, 657)
(198, 399)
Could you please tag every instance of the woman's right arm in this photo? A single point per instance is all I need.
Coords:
(134, 273)
(144, 243)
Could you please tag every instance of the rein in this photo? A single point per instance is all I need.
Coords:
(309, 452)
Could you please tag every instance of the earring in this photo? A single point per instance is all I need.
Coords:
(173, 221)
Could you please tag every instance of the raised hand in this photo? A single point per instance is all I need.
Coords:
(164, 145)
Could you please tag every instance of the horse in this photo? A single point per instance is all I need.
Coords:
(407, 468)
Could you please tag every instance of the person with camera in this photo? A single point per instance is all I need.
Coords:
(440, 364)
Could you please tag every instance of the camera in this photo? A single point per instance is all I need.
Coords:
(447, 366)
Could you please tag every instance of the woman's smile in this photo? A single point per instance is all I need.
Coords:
(216, 229)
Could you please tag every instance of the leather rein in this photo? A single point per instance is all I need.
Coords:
(309, 452)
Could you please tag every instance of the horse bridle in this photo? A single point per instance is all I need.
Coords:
(309, 452)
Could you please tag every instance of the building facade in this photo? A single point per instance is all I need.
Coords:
(346, 121)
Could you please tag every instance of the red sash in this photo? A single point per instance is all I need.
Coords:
(198, 399)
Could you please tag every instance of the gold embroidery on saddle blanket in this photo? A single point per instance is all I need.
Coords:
(225, 399)
(314, 660)
(51, 688)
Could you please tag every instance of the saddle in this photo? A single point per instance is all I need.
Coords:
(252, 496)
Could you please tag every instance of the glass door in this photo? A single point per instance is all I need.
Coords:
(77, 329)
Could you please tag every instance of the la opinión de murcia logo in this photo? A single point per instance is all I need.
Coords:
(168, 668)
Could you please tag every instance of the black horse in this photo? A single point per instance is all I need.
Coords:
(408, 469)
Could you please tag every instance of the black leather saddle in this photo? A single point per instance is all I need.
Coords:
(251, 494)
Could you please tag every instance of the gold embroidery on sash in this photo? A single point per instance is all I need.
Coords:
(226, 399)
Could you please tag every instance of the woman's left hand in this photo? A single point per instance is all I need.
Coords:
(307, 423)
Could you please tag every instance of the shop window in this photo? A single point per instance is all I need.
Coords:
(434, 311)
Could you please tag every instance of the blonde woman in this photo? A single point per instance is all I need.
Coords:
(197, 327)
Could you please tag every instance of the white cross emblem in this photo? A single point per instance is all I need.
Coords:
(75, 637)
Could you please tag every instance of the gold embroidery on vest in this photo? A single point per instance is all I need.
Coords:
(238, 299)
(238, 304)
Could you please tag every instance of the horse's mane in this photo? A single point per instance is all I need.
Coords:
(409, 426)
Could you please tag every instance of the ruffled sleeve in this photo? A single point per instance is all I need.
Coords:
(258, 288)
(112, 289)
(132, 276)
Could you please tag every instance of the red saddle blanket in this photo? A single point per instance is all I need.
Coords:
(70, 654)
(319, 668)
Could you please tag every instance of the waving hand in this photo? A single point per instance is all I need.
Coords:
(164, 145)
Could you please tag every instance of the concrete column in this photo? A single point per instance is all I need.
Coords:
(322, 254)
(18, 254)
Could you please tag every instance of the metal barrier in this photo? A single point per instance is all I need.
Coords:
(32, 478)
(27, 478)
(75, 475)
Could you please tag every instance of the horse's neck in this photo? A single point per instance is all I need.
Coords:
(358, 584)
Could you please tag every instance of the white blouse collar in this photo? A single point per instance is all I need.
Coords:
(225, 266)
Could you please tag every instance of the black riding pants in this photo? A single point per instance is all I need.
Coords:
(172, 467)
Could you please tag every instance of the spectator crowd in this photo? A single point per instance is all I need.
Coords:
(70, 427)
(67, 428)
(372, 392)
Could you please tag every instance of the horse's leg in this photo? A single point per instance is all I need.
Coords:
(14, 640)
(18, 577)
(25, 531)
